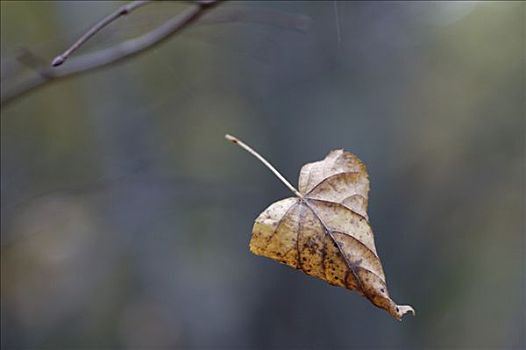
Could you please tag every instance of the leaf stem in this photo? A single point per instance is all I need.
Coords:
(247, 148)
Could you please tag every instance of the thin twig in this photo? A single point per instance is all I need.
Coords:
(260, 15)
(247, 148)
(122, 11)
(105, 57)
(337, 16)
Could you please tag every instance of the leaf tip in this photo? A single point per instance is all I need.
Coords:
(401, 310)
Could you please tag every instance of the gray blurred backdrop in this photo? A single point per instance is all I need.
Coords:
(126, 216)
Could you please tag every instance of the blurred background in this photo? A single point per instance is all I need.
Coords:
(126, 216)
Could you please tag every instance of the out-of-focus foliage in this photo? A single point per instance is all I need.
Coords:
(126, 216)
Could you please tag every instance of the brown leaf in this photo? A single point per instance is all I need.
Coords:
(325, 231)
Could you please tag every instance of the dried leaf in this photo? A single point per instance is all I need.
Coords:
(324, 231)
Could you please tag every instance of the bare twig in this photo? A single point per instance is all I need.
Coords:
(102, 58)
(260, 15)
(123, 10)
